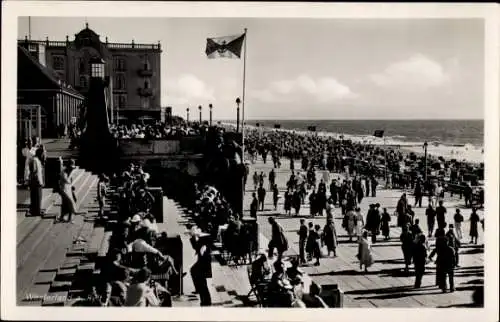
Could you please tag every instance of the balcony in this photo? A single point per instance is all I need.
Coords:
(143, 72)
(145, 92)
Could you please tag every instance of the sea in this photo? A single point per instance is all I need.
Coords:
(459, 139)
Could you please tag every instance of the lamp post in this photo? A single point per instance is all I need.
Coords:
(199, 108)
(425, 160)
(238, 115)
(210, 106)
(187, 115)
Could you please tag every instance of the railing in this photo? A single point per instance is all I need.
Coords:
(145, 72)
(133, 46)
(52, 43)
(155, 147)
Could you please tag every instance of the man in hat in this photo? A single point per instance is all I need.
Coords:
(454, 242)
(373, 222)
(458, 219)
(303, 232)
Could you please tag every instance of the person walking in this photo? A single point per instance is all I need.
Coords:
(373, 222)
(364, 252)
(315, 238)
(310, 241)
(36, 183)
(401, 209)
(278, 239)
(303, 232)
(288, 201)
(430, 213)
(441, 214)
(313, 203)
(473, 232)
(374, 184)
(418, 193)
(359, 221)
(68, 200)
(454, 242)
(255, 180)
(296, 201)
(419, 260)
(272, 178)
(276, 196)
(202, 269)
(330, 237)
(384, 224)
(254, 206)
(349, 223)
(447, 266)
(261, 195)
(458, 218)
(407, 241)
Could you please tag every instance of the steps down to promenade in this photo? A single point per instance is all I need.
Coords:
(44, 247)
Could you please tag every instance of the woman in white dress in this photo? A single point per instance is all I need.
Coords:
(365, 252)
(68, 202)
(360, 222)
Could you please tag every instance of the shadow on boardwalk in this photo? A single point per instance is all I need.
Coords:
(403, 291)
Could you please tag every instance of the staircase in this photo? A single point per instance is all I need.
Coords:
(47, 251)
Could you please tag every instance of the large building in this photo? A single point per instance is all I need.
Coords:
(133, 70)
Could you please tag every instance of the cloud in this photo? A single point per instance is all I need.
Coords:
(322, 90)
(417, 72)
(188, 89)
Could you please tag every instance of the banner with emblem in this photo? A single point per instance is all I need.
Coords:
(225, 47)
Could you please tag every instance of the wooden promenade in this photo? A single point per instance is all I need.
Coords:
(385, 284)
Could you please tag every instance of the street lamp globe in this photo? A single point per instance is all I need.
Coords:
(210, 106)
(238, 101)
(199, 107)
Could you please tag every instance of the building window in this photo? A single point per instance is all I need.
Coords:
(58, 62)
(120, 81)
(81, 66)
(145, 102)
(146, 84)
(147, 66)
(122, 101)
(83, 81)
(119, 64)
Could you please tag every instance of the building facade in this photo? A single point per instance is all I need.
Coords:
(40, 89)
(133, 70)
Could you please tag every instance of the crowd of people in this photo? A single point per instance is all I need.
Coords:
(156, 130)
(138, 270)
(397, 168)
(347, 194)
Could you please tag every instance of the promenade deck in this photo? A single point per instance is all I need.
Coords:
(385, 284)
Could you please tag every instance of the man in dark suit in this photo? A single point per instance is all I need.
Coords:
(303, 232)
(261, 194)
(254, 206)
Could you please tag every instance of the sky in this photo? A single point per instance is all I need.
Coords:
(303, 68)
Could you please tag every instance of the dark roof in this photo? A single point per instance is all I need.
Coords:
(49, 74)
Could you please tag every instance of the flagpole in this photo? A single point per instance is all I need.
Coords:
(243, 96)
(243, 120)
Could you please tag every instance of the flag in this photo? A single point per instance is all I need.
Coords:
(225, 47)
(277, 126)
(311, 128)
(378, 133)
